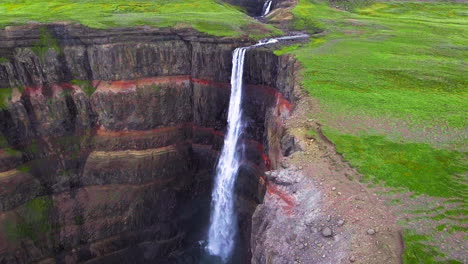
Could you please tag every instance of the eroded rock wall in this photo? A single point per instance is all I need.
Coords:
(107, 135)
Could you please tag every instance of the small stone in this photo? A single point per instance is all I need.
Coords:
(333, 188)
(328, 218)
(371, 231)
(323, 256)
(327, 232)
(340, 222)
(301, 246)
(339, 193)
(352, 259)
(300, 168)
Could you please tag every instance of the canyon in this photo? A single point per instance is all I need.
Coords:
(110, 139)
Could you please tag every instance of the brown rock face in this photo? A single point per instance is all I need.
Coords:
(109, 141)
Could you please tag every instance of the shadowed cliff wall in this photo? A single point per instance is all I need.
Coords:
(106, 135)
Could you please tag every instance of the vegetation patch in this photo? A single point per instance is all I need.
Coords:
(46, 42)
(11, 152)
(418, 167)
(209, 16)
(418, 251)
(33, 222)
(5, 97)
(402, 61)
(86, 85)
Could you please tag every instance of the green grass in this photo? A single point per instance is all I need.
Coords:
(417, 251)
(400, 66)
(209, 16)
(403, 61)
(416, 166)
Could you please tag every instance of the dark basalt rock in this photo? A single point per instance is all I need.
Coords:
(107, 177)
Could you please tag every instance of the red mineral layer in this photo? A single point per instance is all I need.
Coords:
(122, 85)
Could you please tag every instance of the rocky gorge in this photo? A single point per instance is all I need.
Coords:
(109, 140)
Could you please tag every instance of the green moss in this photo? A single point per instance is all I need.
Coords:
(5, 97)
(3, 60)
(66, 93)
(24, 168)
(156, 88)
(86, 85)
(33, 220)
(12, 152)
(46, 42)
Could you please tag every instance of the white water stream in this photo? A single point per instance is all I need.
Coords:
(223, 222)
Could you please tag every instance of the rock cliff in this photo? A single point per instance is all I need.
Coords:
(109, 139)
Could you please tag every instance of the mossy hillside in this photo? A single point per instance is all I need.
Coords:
(209, 16)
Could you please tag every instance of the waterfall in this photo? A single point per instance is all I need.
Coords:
(266, 7)
(223, 222)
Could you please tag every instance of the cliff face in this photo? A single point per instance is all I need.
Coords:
(108, 136)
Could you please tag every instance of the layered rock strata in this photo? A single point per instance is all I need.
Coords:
(108, 136)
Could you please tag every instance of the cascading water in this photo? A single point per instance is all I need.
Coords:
(266, 7)
(222, 223)
(222, 230)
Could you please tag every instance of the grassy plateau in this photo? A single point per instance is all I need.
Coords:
(390, 81)
(208, 16)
